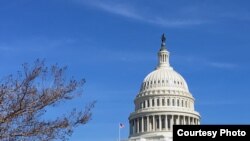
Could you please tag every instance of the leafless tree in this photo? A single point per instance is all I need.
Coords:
(25, 97)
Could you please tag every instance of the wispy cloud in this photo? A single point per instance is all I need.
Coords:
(222, 65)
(207, 62)
(133, 12)
(119, 9)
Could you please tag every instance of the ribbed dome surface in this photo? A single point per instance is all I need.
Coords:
(165, 77)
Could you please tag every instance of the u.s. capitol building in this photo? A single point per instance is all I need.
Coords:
(163, 101)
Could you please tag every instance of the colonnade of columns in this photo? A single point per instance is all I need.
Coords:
(164, 101)
(153, 123)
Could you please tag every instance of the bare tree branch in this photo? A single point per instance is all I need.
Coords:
(25, 97)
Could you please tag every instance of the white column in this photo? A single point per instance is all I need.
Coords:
(160, 100)
(142, 124)
(160, 123)
(188, 119)
(147, 123)
(150, 123)
(180, 117)
(137, 121)
(150, 102)
(146, 103)
(171, 122)
(133, 126)
(130, 127)
(153, 123)
(184, 120)
(178, 120)
(166, 122)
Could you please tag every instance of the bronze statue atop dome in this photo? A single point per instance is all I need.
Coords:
(163, 42)
(163, 38)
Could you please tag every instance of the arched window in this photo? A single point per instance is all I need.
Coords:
(173, 103)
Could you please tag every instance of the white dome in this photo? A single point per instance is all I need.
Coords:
(163, 101)
(165, 78)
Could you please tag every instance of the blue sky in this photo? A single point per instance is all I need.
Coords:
(113, 44)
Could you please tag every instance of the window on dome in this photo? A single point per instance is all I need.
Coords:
(186, 104)
(162, 81)
(153, 102)
(148, 104)
(159, 81)
(168, 102)
(178, 102)
(182, 103)
(144, 104)
(163, 102)
(173, 103)
(158, 102)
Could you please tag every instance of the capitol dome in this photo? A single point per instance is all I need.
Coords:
(163, 100)
(164, 78)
